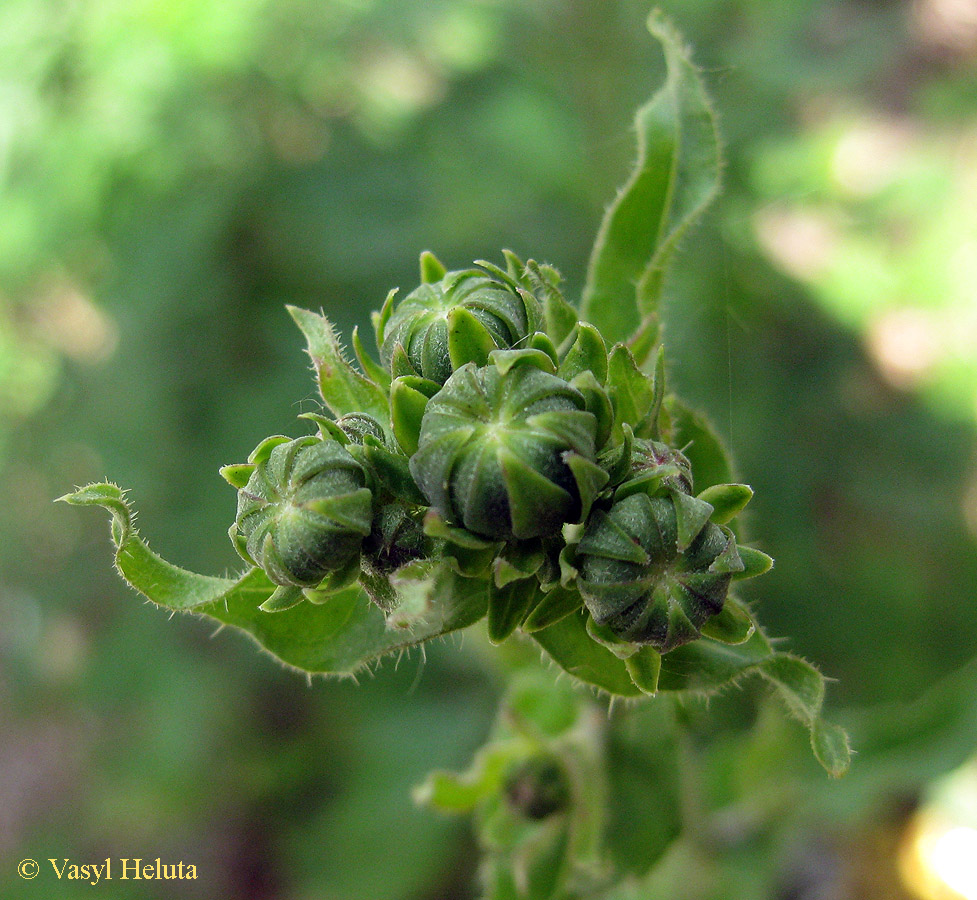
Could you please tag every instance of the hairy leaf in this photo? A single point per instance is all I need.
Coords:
(343, 389)
(703, 667)
(337, 637)
(675, 177)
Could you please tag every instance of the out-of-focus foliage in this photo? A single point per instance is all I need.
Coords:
(172, 173)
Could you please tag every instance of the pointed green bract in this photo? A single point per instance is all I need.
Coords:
(237, 475)
(468, 339)
(508, 606)
(554, 605)
(755, 562)
(587, 353)
(727, 500)
(284, 597)
(631, 392)
(432, 268)
(644, 667)
(409, 395)
(732, 625)
(373, 370)
(675, 177)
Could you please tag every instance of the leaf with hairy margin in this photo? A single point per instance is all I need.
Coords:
(336, 637)
(703, 667)
(342, 388)
(674, 179)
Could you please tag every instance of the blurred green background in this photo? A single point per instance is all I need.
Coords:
(173, 171)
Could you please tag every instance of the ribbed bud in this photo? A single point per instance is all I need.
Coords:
(653, 569)
(463, 317)
(506, 450)
(304, 512)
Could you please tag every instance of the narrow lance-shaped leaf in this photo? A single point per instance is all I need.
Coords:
(675, 177)
(343, 389)
(337, 637)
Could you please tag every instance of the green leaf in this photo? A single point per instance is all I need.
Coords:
(343, 389)
(339, 636)
(573, 650)
(541, 863)
(700, 443)
(645, 808)
(705, 666)
(348, 632)
(160, 581)
(675, 177)
(452, 792)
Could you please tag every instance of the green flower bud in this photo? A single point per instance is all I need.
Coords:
(653, 569)
(538, 787)
(357, 426)
(506, 450)
(304, 512)
(656, 468)
(459, 319)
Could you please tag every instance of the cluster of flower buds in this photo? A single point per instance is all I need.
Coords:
(520, 452)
